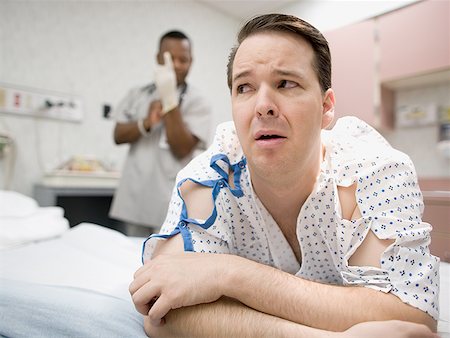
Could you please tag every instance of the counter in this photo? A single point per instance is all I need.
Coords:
(84, 197)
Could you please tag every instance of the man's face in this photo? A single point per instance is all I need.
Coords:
(181, 56)
(278, 106)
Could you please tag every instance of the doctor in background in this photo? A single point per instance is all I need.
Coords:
(164, 122)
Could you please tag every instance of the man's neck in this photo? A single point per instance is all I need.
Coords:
(284, 201)
(284, 196)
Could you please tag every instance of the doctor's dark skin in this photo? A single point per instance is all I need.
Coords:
(181, 56)
(181, 141)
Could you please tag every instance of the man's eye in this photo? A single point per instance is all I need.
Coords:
(287, 84)
(241, 89)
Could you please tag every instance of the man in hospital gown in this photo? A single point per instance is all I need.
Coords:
(284, 228)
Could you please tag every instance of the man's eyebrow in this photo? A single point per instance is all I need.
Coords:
(286, 72)
(244, 73)
(279, 71)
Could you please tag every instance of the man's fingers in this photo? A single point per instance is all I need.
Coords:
(143, 268)
(159, 310)
(155, 106)
(145, 297)
(141, 277)
(168, 60)
(139, 271)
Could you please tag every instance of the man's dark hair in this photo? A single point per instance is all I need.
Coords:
(290, 24)
(174, 35)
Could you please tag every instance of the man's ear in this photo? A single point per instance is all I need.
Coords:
(328, 108)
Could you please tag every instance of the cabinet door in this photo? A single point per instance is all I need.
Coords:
(353, 75)
(414, 40)
(437, 213)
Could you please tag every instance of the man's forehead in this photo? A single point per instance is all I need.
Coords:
(280, 50)
(169, 43)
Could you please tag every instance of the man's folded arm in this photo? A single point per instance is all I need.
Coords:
(274, 292)
(227, 318)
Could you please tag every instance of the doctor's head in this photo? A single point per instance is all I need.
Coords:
(179, 46)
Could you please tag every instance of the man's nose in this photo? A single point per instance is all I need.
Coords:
(176, 64)
(265, 105)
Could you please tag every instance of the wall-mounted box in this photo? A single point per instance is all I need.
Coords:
(424, 96)
(19, 100)
(416, 115)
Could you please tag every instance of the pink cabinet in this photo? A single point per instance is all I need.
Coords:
(437, 213)
(414, 40)
(367, 57)
(353, 70)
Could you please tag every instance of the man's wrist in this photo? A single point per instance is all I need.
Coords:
(167, 108)
(143, 128)
(227, 277)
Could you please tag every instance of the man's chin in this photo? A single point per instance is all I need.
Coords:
(180, 80)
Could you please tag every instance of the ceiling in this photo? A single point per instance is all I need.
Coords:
(244, 9)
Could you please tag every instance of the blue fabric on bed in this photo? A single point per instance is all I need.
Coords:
(36, 310)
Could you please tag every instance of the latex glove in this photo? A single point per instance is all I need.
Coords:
(166, 83)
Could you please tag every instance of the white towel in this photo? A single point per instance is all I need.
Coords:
(14, 204)
(22, 221)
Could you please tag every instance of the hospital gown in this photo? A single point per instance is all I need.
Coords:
(387, 194)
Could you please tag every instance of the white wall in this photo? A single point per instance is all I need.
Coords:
(330, 14)
(97, 50)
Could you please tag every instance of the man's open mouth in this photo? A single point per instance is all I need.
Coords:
(269, 137)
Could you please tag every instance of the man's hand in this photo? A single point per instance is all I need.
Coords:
(173, 281)
(166, 83)
(154, 115)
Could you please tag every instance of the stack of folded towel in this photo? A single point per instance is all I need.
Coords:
(23, 221)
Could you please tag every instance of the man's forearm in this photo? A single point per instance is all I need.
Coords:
(179, 137)
(324, 306)
(228, 318)
(126, 133)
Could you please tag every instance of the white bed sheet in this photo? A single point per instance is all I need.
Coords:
(87, 256)
(96, 258)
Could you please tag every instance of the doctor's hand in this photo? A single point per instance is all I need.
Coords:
(173, 281)
(154, 115)
(166, 83)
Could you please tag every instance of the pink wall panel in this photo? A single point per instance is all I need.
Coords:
(434, 183)
(436, 196)
(352, 51)
(437, 213)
